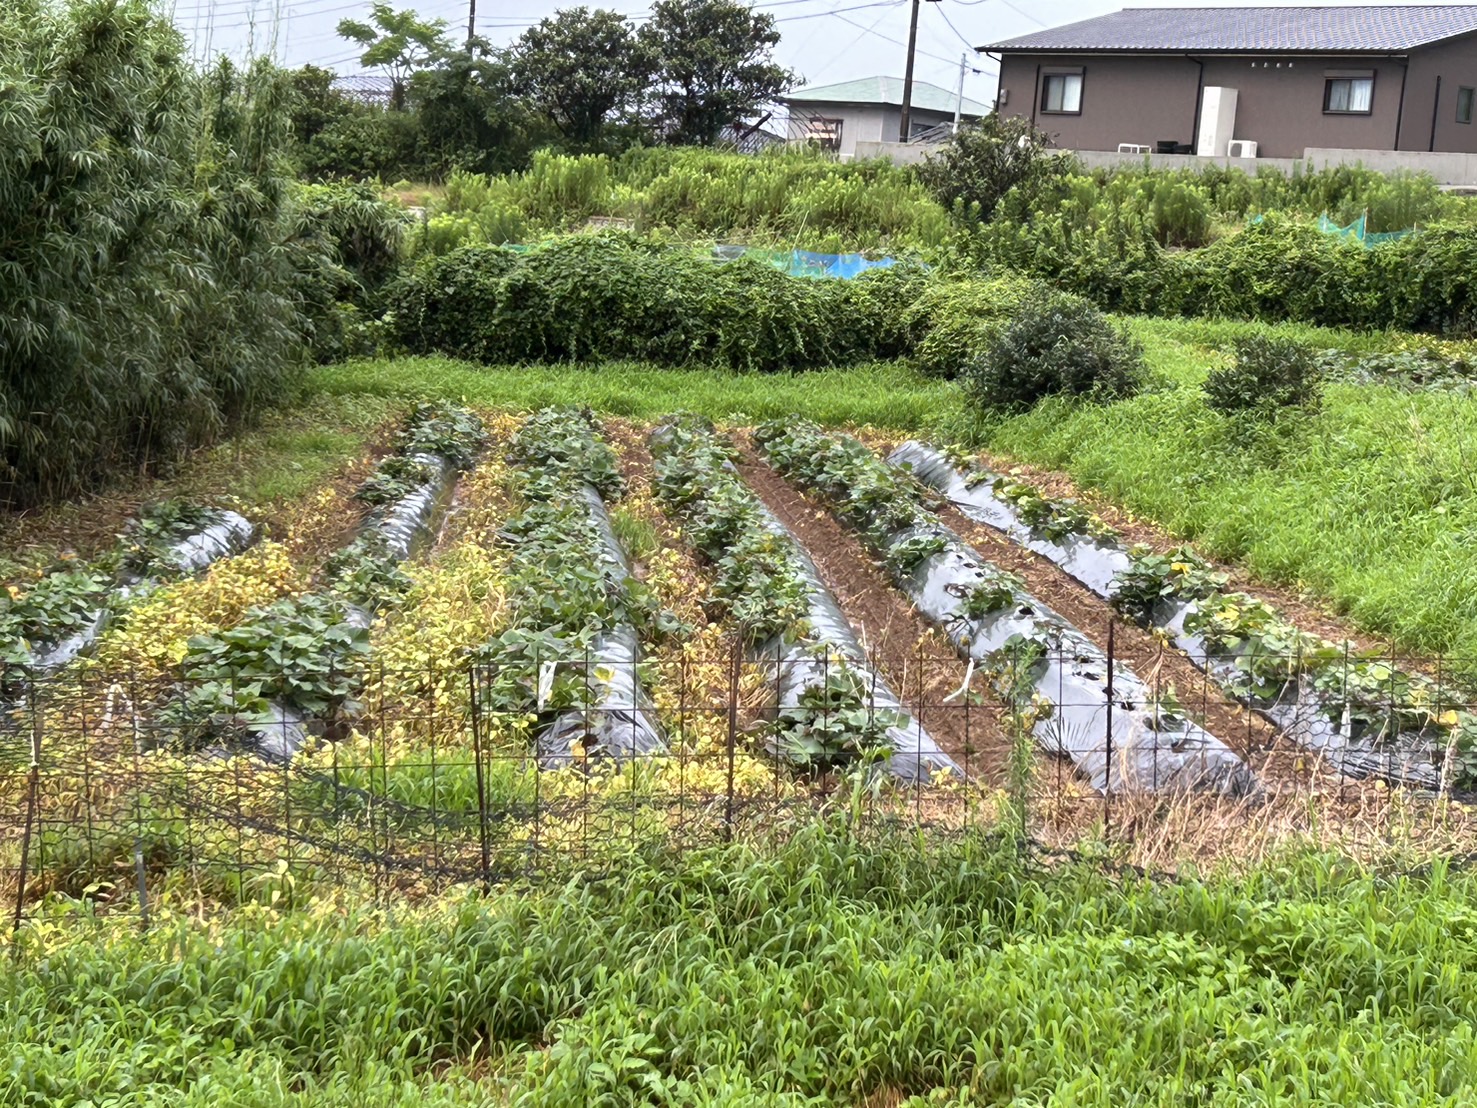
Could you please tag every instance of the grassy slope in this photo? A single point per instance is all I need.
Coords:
(822, 974)
(1372, 505)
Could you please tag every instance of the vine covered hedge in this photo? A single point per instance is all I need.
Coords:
(1273, 270)
(151, 265)
(612, 297)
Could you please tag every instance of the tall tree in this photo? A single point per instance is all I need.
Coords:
(469, 117)
(579, 67)
(713, 63)
(400, 43)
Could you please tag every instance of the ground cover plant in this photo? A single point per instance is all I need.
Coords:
(946, 973)
(830, 711)
(790, 198)
(298, 661)
(1362, 710)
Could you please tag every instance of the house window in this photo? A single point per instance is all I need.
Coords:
(1348, 95)
(825, 133)
(1464, 105)
(1061, 93)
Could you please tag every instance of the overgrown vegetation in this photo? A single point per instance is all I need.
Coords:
(150, 253)
(787, 198)
(587, 297)
(999, 958)
(1056, 345)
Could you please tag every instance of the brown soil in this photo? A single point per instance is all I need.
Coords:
(1158, 666)
(1301, 609)
(907, 652)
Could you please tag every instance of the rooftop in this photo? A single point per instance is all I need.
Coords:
(886, 91)
(1383, 29)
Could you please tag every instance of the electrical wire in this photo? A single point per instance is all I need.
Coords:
(955, 29)
(1023, 14)
(895, 42)
(837, 11)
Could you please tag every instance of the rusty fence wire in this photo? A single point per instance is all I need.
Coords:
(130, 792)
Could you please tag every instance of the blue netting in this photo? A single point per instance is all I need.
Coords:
(807, 263)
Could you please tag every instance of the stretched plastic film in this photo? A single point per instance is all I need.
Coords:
(1298, 709)
(619, 720)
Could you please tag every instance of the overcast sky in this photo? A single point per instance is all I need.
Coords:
(824, 40)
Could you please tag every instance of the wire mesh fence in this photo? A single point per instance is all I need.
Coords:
(124, 789)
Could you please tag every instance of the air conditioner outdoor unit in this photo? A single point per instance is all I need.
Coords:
(1241, 148)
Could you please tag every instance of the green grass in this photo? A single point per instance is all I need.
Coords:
(292, 453)
(638, 537)
(883, 395)
(820, 973)
(1371, 504)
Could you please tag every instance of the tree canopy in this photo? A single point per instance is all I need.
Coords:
(399, 42)
(713, 65)
(579, 68)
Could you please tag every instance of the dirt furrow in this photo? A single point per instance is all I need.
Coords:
(904, 648)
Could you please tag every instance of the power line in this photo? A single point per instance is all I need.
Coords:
(837, 11)
(1023, 14)
(895, 42)
(955, 29)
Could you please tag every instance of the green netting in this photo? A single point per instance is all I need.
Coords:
(1359, 231)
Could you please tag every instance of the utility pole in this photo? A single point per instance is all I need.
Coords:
(908, 73)
(959, 97)
(471, 23)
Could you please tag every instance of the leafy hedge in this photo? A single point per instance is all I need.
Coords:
(1275, 269)
(612, 297)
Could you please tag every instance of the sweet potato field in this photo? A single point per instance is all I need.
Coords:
(529, 643)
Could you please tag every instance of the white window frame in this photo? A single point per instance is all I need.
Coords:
(1070, 100)
(1351, 86)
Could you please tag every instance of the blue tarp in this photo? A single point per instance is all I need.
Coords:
(807, 263)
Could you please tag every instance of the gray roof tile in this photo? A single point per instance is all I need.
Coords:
(1364, 29)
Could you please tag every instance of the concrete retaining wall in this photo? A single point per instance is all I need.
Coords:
(1452, 170)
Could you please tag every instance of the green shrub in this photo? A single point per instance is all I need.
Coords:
(1056, 345)
(951, 323)
(985, 160)
(1268, 375)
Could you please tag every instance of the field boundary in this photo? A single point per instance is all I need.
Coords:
(110, 798)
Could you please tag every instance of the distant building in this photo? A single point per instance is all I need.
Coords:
(839, 116)
(1261, 82)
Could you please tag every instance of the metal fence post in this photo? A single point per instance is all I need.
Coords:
(1108, 760)
(481, 780)
(33, 778)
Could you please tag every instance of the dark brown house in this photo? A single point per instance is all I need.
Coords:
(1217, 80)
